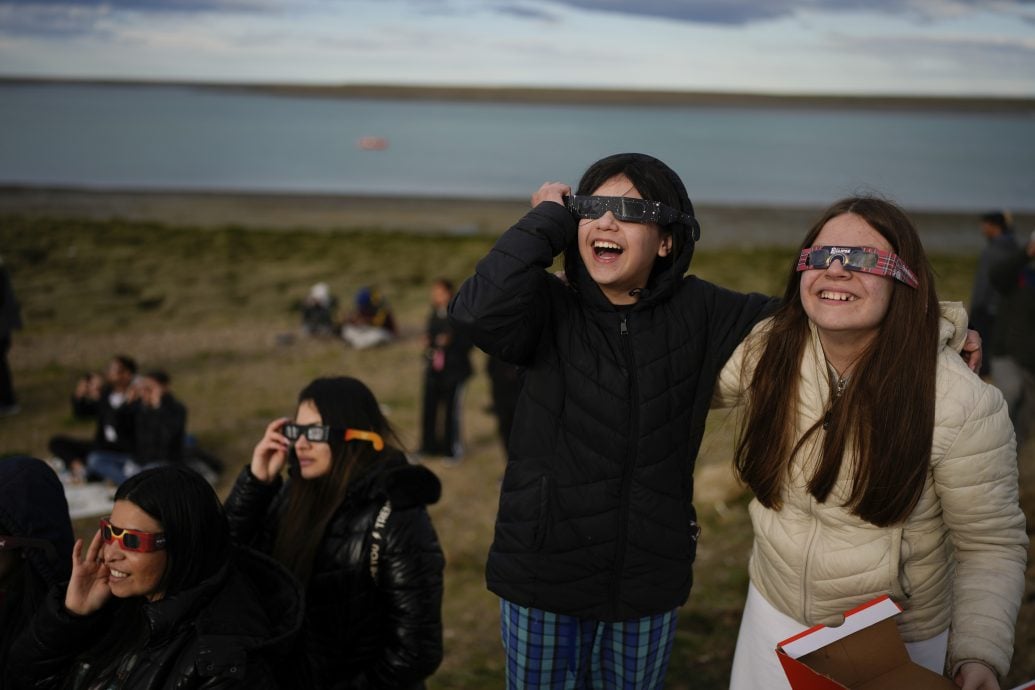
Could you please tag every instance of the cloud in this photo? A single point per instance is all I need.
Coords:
(66, 18)
(165, 6)
(740, 12)
(525, 12)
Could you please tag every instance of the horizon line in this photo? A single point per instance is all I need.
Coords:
(564, 95)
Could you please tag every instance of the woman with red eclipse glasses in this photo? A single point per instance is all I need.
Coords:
(160, 600)
(879, 462)
(351, 523)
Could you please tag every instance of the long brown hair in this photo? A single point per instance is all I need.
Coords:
(342, 402)
(885, 417)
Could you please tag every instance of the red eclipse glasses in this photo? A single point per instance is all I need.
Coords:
(863, 259)
(132, 539)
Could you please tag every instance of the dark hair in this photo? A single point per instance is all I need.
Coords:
(445, 283)
(654, 181)
(159, 375)
(196, 531)
(886, 416)
(998, 219)
(343, 402)
(126, 362)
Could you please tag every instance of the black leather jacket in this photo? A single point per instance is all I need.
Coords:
(362, 632)
(228, 632)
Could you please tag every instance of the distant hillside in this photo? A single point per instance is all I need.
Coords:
(583, 96)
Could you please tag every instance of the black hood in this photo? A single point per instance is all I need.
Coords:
(667, 272)
(33, 506)
(396, 479)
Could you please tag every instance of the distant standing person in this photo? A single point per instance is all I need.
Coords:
(1013, 341)
(448, 366)
(10, 321)
(984, 299)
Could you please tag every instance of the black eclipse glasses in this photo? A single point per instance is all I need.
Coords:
(630, 210)
(863, 259)
(323, 434)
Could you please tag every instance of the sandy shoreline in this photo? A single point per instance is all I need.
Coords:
(577, 96)
(722, 226)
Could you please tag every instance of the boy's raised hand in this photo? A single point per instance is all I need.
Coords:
(551, 191)
(88, 587)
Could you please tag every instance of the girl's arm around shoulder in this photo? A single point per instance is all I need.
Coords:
(504, 305)
(974, 467)
(728, 316)
(735, 377)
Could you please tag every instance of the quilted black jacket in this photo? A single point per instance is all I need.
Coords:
(362, 633)
(595, 515)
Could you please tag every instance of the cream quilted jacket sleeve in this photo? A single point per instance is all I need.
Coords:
(974, 467)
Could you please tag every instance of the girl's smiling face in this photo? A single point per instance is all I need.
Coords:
(134, 573)
(619, 255)
(847, 306)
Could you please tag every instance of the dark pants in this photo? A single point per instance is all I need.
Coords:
(73, 450)
(441, 418)
(6, 387)
(69, 449)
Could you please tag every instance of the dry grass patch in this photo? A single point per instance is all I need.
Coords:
(211, 305)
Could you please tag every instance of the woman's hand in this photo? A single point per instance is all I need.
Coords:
(88, 588)
(976, 676)
(551, 191)
(271, 452)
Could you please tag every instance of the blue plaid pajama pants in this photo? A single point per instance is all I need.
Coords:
(552, 650)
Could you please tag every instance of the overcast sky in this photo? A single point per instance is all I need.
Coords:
(945, 47)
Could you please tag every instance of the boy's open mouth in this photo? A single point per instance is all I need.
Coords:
(606, 250)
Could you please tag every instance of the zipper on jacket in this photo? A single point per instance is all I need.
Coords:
(807, 562)
(627, 466)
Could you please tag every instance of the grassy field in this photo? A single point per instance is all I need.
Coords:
(216, 306)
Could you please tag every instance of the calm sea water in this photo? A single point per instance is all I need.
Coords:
(201, 139)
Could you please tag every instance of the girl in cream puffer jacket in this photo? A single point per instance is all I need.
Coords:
(957, 560)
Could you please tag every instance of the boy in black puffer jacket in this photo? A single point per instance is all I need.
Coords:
(596, 531)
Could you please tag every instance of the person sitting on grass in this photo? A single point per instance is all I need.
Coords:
(371, 322)
(105, 399)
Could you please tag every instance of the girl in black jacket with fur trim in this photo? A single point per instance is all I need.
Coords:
(351, 523)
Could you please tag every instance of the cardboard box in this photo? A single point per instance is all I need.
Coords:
(864, 653)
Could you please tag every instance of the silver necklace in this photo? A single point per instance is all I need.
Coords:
(839, 388)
